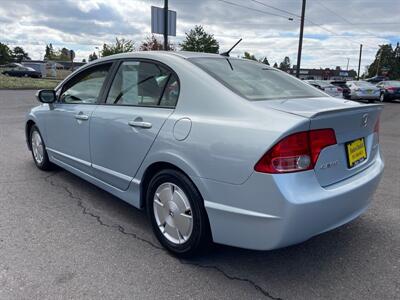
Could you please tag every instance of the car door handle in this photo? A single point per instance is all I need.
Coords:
(82, 117)
(140, 124)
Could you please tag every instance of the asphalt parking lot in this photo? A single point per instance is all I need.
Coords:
(63, 238)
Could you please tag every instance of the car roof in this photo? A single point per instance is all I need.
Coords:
(159, 54)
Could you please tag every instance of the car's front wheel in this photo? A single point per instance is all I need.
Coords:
(38, 149)
(177, 213)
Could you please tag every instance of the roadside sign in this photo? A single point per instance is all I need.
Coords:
(157, 21)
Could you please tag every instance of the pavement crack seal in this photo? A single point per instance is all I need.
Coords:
(122, 230)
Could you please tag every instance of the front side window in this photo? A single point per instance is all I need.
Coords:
(85, 88)
(143, 84)
(255, 81)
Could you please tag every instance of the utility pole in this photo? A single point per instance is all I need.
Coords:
(166, 25)
(303, 11)
(348, 60)
(359, 63)
(379, 63)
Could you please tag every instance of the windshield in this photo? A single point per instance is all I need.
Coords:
(255, 81)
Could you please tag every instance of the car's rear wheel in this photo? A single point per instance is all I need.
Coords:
(38, 149)
(177, 213)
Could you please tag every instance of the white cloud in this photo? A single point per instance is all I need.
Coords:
(84, 24)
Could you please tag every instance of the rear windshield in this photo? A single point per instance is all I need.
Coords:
(324, 84)
(393, 83)
(363, 84)
(255, 81)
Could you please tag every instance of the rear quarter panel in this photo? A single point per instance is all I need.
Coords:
(228, 133)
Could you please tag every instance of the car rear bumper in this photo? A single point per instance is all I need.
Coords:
(392, 96)
(366, 97)
(274, 211)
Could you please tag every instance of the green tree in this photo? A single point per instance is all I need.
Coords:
(5, 54)
(285, 64)
(18, 54)
(120, 46)
(396, 73)
(49, 52)
(264, 61)
(93, 56)
(63, 54)
(198, 40)
(275, 65)
(247, 55)
(385, 62)
(84, 60)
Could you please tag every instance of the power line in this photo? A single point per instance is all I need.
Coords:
(308, 20)
(276, 8)
(343, 18)
(253, 9)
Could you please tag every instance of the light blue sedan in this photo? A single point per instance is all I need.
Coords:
(214, 148)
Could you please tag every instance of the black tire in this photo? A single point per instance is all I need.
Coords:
(382, 97)
(45, 164)
(200, 237)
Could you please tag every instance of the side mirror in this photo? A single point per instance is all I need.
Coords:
(46, 96)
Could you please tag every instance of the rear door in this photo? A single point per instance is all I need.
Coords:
(142, 95)
(68, 120)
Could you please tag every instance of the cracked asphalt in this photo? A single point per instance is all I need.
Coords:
(63, 238)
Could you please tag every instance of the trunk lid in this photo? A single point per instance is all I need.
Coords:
(350, 120)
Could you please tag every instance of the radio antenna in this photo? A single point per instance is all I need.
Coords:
(229, 51)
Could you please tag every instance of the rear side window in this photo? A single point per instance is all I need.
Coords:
(143, 84)
(255, 81)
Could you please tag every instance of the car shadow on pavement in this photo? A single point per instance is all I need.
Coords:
(331, 251)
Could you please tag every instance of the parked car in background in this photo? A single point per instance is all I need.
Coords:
(362, 90)
(327, 87)
(23, 72)
(377, 79)
(213, 147)
(390, 90)
(342, 85)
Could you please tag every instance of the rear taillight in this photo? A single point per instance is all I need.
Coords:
(339, 89)
(296, 152)
(391, 89)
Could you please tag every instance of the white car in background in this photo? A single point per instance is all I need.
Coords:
(327, 87)
(363, 90)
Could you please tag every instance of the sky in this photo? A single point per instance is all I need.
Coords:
(333, 31)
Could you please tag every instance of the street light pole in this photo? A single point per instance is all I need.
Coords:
(166, 25)
(359, 63)
(303, 11)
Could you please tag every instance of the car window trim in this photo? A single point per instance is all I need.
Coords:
(88, 68)
(119, 62)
